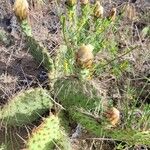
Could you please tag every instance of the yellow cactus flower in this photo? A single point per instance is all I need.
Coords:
(21, 9)
(84, 2)
(113, 116)
(112, 14)
(84, 56)
(71, 2)
(99, 10)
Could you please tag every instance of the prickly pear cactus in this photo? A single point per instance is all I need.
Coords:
(25, 107)
(47, 135)
(77, 102)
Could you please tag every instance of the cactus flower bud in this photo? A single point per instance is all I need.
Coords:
(99, 10)
(113, 116)
(84, 56)
(112, 14)
(21, 9)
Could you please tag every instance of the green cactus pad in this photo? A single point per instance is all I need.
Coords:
(36, 49)
(73, 92)
(77, 100)
(131, 137)
(39, 53)
(47, 135)
(25, 107)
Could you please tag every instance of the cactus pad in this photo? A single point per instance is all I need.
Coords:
(47, 135)
(25, 107)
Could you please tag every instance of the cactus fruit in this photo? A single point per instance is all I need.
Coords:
(25, 107)
(47, 135)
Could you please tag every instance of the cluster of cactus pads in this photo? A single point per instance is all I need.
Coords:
(77, 98)
(28, 106)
